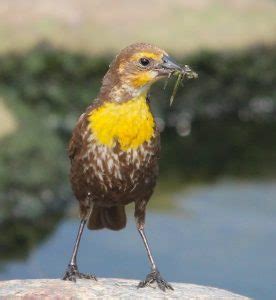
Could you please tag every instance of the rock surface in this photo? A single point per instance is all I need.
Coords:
(105, 289)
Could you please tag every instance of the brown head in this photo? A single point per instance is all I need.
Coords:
(133, 71)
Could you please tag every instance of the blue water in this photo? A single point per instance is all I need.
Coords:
(220, 235)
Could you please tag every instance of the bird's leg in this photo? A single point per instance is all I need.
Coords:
(72, 272)
(154, 275)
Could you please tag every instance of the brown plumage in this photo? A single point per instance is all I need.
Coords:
(114, 149)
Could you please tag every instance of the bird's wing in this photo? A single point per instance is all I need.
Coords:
(75, 143)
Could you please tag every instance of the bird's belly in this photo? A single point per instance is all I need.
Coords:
(113, 175)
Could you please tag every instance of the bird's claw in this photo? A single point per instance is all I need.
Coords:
(72, 273)
(155, 276)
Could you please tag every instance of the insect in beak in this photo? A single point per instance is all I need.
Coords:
(169, 68)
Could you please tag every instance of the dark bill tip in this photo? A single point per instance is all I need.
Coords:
(170, 67)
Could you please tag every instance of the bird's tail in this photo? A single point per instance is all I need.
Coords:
(113, 218)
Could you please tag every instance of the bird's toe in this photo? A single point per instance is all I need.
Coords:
(155, 276)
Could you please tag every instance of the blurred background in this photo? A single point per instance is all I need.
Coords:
(212, 218)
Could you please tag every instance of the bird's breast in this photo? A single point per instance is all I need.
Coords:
(130, 123)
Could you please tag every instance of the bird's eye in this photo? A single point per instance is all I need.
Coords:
(144, 61)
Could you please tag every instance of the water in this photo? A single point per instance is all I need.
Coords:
(220, 235)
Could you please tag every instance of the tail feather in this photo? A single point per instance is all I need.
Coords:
(113, 218)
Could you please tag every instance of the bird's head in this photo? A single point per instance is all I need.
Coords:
(135, 69)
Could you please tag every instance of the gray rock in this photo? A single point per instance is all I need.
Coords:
(110, 288)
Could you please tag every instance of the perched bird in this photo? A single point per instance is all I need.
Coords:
(114, 149)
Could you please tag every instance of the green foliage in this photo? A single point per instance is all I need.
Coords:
(216, 148)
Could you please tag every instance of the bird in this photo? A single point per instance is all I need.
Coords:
(115, 148)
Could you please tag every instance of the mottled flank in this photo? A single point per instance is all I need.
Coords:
(110, 288)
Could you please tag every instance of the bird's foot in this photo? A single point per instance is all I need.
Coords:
(72, 273)
(154, 276)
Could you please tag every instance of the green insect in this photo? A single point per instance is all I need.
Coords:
(185, 73)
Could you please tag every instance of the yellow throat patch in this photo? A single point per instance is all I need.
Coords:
(130, 123)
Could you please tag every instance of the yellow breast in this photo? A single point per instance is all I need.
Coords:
(130, 123)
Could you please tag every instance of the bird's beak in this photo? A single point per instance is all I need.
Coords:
(169, 67)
